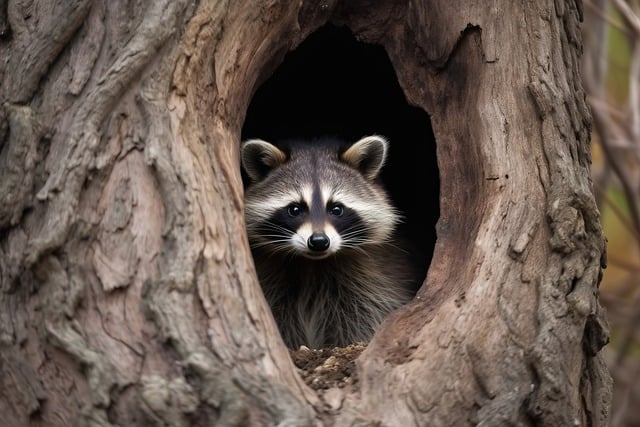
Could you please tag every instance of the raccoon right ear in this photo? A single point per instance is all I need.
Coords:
(259, 157)
(367, 155)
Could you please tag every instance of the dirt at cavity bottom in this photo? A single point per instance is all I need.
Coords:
(325, 368)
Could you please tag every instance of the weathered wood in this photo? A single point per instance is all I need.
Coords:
(128, 290)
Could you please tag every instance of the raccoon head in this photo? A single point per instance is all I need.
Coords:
(316, 199)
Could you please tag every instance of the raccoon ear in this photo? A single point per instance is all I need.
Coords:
(259, 157)
(367, 155)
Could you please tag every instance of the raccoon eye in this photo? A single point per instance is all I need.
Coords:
(336, 210)
(294, 210)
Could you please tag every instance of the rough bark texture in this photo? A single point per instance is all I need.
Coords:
(128, 290)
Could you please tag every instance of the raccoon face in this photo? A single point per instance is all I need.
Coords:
(316, 200)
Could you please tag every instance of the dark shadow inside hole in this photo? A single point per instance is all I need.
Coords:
(333, 84)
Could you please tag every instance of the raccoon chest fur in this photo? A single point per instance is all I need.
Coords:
(334, 302)
(323, 237)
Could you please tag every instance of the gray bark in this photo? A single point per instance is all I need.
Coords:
(128, 290)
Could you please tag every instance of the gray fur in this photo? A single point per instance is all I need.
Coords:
(342, 298)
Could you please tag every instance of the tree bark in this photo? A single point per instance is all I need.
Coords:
(128, 290)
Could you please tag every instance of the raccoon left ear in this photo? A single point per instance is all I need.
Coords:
(367, 155)
(259, 157)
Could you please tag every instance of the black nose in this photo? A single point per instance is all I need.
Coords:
(318, 242)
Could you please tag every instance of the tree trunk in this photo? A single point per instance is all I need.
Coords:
(128, 290)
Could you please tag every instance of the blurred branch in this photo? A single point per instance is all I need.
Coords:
(605, 127)
(604, 16)
(615, 133)
(629, 266)
(628, 15)
(607, 68)
(634, 91)
(621, 216)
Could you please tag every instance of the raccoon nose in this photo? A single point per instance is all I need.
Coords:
(318, 242)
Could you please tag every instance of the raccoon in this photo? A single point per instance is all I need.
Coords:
(323, 236)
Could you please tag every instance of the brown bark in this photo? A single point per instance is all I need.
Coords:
(129, 295)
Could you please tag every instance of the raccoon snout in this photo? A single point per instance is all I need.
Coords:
(318, 242)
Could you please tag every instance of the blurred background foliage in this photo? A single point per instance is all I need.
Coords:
(611, 77)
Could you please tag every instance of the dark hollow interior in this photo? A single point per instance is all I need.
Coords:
(334, 85)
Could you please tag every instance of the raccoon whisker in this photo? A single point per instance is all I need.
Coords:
(279, 247)
(354, 230)
(268, 226)
(359, 233)
(358, 241)
(272, 244)
(356, 235)
(261, 244)
(397, 247)
(358, 248)
(354, 238)
(275, 237)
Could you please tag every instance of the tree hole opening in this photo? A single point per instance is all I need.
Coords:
(332, 84)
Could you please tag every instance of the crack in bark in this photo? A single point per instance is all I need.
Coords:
(17, 162)
(40, 49)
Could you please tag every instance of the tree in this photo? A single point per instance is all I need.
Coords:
(129, 295)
